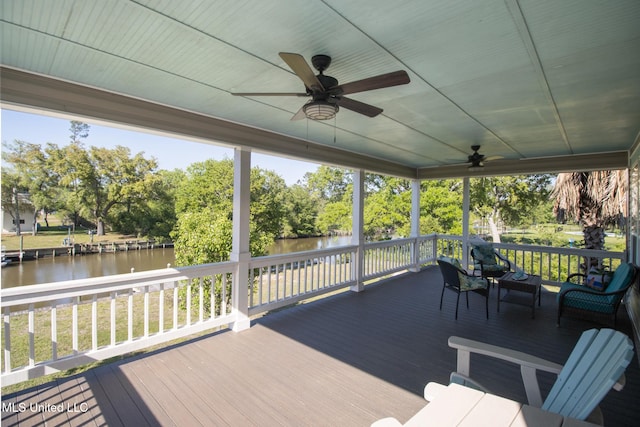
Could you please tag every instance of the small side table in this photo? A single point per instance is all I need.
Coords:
(530, 285)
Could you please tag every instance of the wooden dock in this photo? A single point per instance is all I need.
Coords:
(84, 249)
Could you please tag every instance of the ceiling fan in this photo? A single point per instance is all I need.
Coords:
(325, 92)
(476, 160)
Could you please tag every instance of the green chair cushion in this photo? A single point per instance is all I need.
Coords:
(470, 283)
(485, 254)
(585, 301)
(594, 302)
(454, 261)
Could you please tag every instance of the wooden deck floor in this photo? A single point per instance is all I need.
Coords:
(346, 360)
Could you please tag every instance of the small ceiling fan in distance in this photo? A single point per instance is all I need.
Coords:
(327, 96)
(476, 160)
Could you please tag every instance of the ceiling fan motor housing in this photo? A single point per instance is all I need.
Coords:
(321, 62)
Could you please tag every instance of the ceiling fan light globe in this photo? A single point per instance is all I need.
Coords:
(320, 110)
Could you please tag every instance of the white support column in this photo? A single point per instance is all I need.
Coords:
(357, 226)
(415, 223)
(465, 222)
(240, 253)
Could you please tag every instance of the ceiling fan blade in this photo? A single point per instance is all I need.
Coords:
(359, 107)
(377, 82)
(269, 94)
(491, 158)
(299, 115)
(299, 66)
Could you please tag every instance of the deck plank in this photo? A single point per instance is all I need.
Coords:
(348, 359)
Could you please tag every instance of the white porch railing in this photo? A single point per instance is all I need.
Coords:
(551, 263)
(57, 326)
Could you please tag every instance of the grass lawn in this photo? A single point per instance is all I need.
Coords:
(52, 237)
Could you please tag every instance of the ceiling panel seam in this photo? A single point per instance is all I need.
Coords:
(451, 101)
(120, 57)
(525, 34)
(204, 33)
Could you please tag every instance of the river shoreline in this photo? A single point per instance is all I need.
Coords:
(83, 249)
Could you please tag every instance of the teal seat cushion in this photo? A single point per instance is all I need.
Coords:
(485, 254)
(584, 300)
(594, 301)
(494, 267)
(470, 283)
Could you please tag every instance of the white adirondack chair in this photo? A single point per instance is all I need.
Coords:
(596, 364)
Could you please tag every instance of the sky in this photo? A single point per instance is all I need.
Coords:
(170, 152)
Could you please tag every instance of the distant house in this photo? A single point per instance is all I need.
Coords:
(26, 216)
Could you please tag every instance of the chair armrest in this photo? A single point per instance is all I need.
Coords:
(529, 365)
(580, 275)
(432, 390)
(503, 259)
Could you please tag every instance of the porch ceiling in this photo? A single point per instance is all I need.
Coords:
(525, 79)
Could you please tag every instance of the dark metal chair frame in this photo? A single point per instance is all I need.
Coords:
(450, 274)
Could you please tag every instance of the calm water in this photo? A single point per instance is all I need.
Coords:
(45, 270)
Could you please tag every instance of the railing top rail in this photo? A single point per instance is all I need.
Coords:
(294, 256)
(387, 243)
(565, 251)
(72, 288)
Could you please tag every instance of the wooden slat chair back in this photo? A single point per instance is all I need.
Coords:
(596, 364)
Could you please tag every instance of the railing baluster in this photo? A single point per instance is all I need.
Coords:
(54, 331)
(161, 309)
(188, 303)
(175, 305)
(130, 315)
(94, 322)
(212, 294)
(269, 295)
(146, 311)
(201, 300)
(112, 317)
(7, 339)
(32, 336)
(74, 325)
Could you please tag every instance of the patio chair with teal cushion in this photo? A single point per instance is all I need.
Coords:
(488, 261)
(459, 281)
(596, 364)
(582, 301)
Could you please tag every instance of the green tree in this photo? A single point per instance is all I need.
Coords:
(441, 206)
(208, 188)
(12, 201)
(335, 218)
(204, 206)
(301, 212)
(328, 184)
(386, 207)
(153, 216)
(30, 165)
(508, 198)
